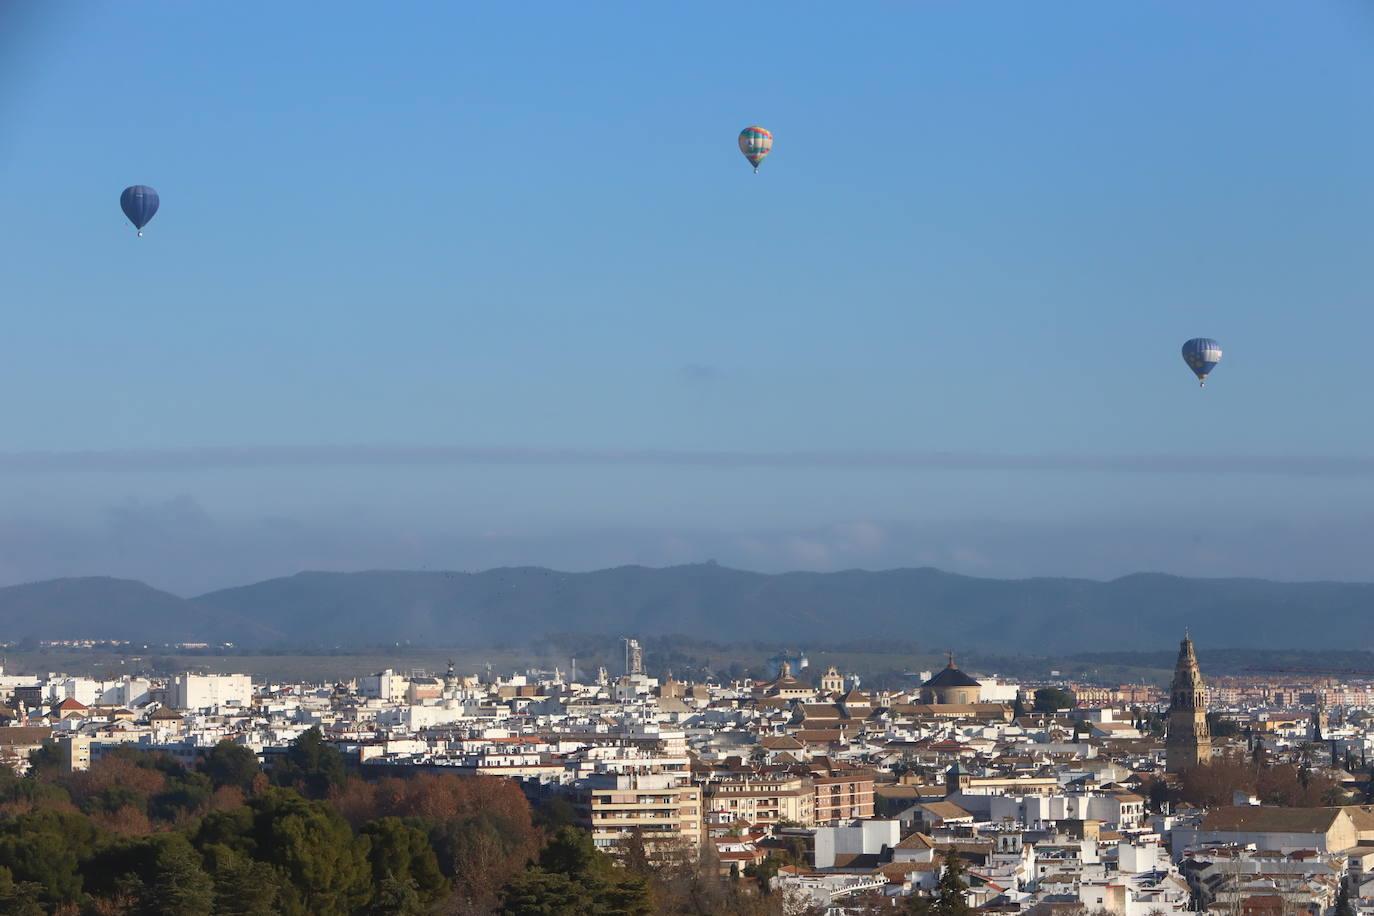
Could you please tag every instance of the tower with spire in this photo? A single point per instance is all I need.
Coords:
(1189, 742)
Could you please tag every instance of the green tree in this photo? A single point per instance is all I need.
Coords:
(323, 867)
(1343, 905)
(1158, 794)
(919, 904)
(112, 798)
(231, 829)
(1052, 699)
(401, 856)
(18, 898)
(243, 887)
(231, 764)
(46, 849)
(186, 793)
(763, 873)
(573, 877)
(47, 759)
(396, 896)
(535, 892)
(555, 812)
(1221, 726)
(1018, 709)
(951, 894)
(32, 790)
(311, 765)
(178, 885)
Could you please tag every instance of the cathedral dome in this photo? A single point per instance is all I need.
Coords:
(951, 687)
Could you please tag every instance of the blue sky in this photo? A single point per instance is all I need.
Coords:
(985, 230)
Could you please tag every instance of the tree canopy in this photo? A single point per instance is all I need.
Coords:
(1052, 699)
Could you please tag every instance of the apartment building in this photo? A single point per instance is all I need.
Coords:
(204, 691)
(842, 797)
(664, 806)
(763, 800)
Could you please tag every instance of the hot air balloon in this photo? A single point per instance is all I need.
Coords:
(139, 203)
(755, 142)
(1202, 355)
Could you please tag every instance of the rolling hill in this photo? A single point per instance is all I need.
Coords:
(516, 605)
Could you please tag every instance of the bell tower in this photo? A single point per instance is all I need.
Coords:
(1189, 742)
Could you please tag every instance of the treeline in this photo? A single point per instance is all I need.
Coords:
(139, 834)
(1291, 785)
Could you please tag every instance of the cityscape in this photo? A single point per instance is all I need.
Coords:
(1242, 794)
(686, 459)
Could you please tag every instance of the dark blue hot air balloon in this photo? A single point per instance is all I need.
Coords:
(1202, 355)
(139, 203)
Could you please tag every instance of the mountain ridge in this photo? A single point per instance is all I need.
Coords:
(516, 604)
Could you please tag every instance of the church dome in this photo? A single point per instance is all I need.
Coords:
(951, 687)
(951, 677)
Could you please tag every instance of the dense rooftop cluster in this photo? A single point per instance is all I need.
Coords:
(1035, 800)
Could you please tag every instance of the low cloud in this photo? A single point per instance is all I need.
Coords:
(177, 545)
(171, 460)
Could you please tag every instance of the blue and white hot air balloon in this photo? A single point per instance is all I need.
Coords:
(1202, 355)
(139, 203)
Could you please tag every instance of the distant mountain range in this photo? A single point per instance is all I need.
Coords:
(518, 605)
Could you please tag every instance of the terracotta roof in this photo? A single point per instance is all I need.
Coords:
(1362, 816)
(70, 704)
(22, 735)
(1269, 819)
(820, 735)
(945, 810)
(899, 870)
(917, 840)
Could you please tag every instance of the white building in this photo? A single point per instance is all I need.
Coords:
(129, 692)
(202, 691)
(84, 690)
(859, 838)
(995, 691)
(1041, 811)
(387, 686)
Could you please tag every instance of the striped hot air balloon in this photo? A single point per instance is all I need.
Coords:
(755, 142)
(1202, 355)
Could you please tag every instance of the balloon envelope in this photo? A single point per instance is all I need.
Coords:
(139, 203)
(1202, 355)
(755, 142)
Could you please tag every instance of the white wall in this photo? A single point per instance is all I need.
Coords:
(198, 691)
(994, 691)
(388, 686)
(864, 837)
(82, 689)
(129, 692)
